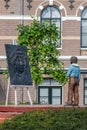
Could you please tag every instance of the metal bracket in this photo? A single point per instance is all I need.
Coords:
(6, 6)
(71, 4)
(29, 2)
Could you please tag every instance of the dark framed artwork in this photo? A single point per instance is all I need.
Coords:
(18, 65)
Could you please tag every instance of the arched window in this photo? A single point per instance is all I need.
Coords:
(84, 28)
(52, 14)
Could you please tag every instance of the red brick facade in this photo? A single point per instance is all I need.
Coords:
(71, 34)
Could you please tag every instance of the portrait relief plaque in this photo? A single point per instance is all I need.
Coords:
(18, 65)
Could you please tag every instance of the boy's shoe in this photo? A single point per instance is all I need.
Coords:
(67, 104)
(75, 105)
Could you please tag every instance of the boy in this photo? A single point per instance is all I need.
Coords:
(74, 77)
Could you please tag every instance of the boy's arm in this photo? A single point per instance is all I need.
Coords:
(79, 74)
(68, 72)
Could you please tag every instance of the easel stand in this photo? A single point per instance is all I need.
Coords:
(15, 93)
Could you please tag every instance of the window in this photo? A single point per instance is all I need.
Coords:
(52, 15)
(85, 91)
(50, 92)
(84, 28)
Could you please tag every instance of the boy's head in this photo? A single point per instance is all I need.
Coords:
(73, 59)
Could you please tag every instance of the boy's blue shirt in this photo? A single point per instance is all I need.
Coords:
(74, 71)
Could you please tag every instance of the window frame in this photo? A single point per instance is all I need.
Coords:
(84, 96)
(81, 28)
(51, 19)
(50, 87)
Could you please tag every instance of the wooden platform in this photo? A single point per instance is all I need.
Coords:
(24, 108)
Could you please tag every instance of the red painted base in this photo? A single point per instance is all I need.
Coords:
(24, 108)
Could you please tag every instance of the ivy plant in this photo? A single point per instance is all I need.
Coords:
(42, 41)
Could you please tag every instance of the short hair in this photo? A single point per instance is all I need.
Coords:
(73, 59)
